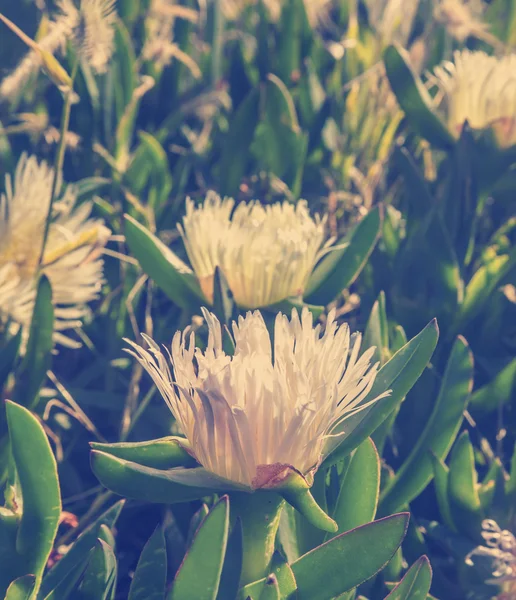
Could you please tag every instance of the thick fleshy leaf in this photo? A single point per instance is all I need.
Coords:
(39, 485)
(284, 575)
(377, 331)
(340, 267)
(482, 285)
(398, 375)
(163, 453)
(426, 282)
(441, 482)
(414, 98)
(415, 585)
(151, 572)
(69, 568)
(153, 485)
(8, 354)
(21, 588)
(271, 590)
(230, 576)
(223, 305)
(296, 491)
(199, 574)
(497, 392)
(359, 490)
(348, 559)
(439, 434)
(465, 505)
(460, 204)
(235, 155)
(164, 267)
(100, 574)
(36, 362)
(418, 195)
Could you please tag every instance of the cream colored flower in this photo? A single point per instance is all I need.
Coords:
(392, 19)
(159, 44)
(71, 260)
(315, 9)
(94, 35)
(267, 253)
(501, 548)
(462, 18)
(90, 27)
(480, 89)
(270, 407)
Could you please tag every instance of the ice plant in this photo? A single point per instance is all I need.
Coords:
(267, 253)
(481, 90)
(261, 419)
(500, 546)
(159, 44)
(71, 259)
(89, 27)
(269, 408)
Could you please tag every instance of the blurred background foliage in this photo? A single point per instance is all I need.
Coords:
(286, 101)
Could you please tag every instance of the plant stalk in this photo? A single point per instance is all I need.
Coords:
(59, 160)
(259, 513)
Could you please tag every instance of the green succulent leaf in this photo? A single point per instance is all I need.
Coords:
(270, 590)
(465, 505)
(348, 559)
(164, 267)
(416, 582)
(341, 266)
(62, 577)
(99, 578)
(439, 434)
(399, 375)
(414, 99)
(235, 155)
(163, 453)
(39, 487)
(21, 588)
(377, 331)
(154, 485)
(200, 572)
(151, 572)
(36, 362)
(232, 569)
(441, 482)
(497, 392)
(359, 488)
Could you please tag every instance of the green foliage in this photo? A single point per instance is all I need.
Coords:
(275, 102)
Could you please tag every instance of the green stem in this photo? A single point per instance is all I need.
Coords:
(259, 513)
(59, 160)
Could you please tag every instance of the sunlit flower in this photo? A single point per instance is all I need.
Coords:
(94, 35)
(53, 41)
(501, 548)
(392, 19)
(71, 260)
(480, 89)
(266, 253)
(89, 27)
(271, 406)
(159, 44)
(315, 9)
(462, 18)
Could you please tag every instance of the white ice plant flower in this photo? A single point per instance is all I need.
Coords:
(71, 261)
(272, 407)
(267, 253)
(500, 547)
(480, 89)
